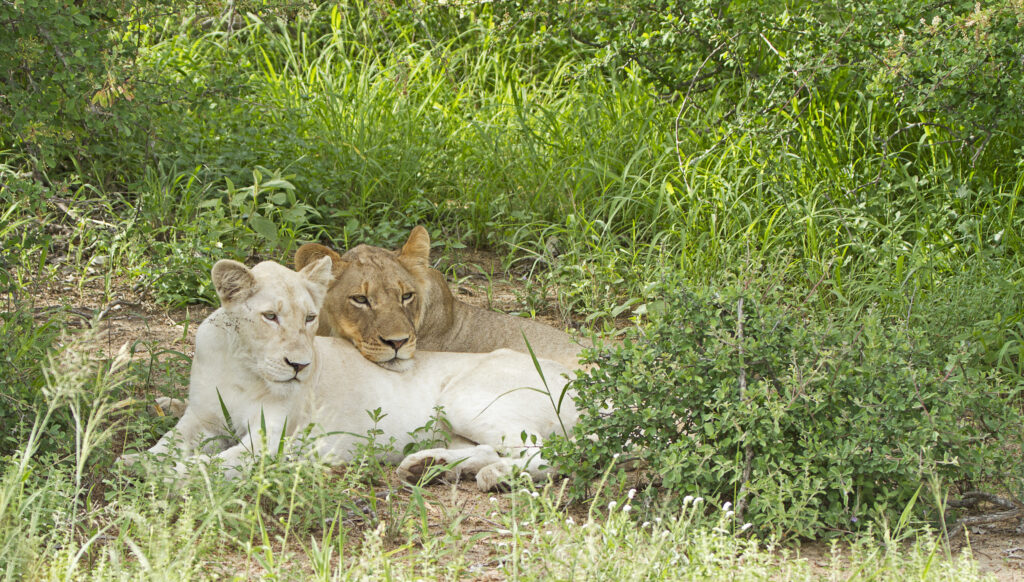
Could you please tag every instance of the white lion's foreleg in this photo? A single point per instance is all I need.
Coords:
(186, 436)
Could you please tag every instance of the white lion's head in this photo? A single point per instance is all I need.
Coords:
(272, 312)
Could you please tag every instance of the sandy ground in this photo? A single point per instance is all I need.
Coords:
(130, 316)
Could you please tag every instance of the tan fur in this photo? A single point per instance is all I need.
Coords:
(257, 357)
(409, 305)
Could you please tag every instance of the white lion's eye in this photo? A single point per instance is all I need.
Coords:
(311, 318)
(269, 316)
(407, 297)
(360, 299)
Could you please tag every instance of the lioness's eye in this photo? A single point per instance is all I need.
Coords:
(310, 318)
(270, 316)
(407, 297)
(360, 299)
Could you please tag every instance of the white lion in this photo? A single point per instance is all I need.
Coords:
(258, 360)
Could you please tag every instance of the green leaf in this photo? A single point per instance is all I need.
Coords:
(264, 227)
(277, 184)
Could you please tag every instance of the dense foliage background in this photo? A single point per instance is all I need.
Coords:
(851, 171)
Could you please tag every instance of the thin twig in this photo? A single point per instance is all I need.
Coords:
(748, 451)
(74, 215)
(43, 32)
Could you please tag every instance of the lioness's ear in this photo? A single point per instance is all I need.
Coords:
(416, 250)
(233, 281)
(311, 252)
(318, 277)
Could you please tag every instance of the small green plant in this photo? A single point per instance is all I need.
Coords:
(264, 219)
(437, 432)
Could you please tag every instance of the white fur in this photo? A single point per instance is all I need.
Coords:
(488, 399)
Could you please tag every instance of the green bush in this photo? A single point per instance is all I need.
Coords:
(21, 385)
(806, 424)
(68, 88)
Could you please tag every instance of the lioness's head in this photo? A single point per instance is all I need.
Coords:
(272, 312)
(379, 298)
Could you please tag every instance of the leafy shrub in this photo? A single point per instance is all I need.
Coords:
(807, 425)
(68, 91)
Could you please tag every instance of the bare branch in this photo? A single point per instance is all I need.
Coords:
(972, 498)
(958, 528)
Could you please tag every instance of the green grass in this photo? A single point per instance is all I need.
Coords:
(499, 152)
(351, 123)
(81, 518)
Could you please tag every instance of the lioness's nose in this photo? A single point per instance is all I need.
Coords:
(297, 366)
(396, 344)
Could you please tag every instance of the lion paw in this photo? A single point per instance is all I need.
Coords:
(167, 406)
(494, 476)
(128, 460)
(417, 465)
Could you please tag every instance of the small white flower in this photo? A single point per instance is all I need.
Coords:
(746, 526)
(493, 500)
(631, 494)
(616, 455)
(729, 514)
(698, 500)
(611, 505)
(687, 499)
(535, 495)
(727, 506)
(645, 524)
(570, 521)
(627, 508)
(524, 491)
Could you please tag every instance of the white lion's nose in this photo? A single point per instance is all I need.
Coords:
(297, 366)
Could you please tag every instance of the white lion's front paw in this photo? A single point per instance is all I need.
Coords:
(493, 476)
(414, 467)
(128, 460)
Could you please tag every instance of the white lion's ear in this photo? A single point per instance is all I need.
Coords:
(233, 281)
(416, 250)
(318, 277)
